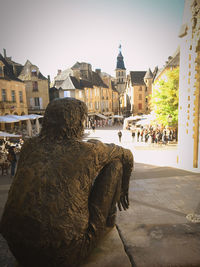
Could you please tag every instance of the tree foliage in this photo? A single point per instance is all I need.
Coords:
(164, 100)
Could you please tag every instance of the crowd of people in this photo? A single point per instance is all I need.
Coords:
(102, 123)
(9, 151)
(155, 135)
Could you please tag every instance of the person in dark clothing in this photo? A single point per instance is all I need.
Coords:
(138, 136)
(93, 127)
(133, 135)
(120, 136)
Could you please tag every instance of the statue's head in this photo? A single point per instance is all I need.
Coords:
(64, 119)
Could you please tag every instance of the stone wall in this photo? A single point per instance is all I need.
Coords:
(189, 88)
(10, 107)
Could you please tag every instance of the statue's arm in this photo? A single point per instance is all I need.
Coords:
(108, 152)
(128, 162)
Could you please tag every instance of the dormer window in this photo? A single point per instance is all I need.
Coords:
(34, 73)
(1, 71)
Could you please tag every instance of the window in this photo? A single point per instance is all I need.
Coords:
(140, 96)
(140, 89)
(3, 95)
(37, 102)
(1, 71)
(146, 100)
(35, 86)
(96, 105)
(80, 94)
(140, 106)
(34, 73)
(13, 96)
(20, 97)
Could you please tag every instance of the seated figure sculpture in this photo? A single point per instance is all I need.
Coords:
(65, 191)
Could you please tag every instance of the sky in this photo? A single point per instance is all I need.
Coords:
(55, 34)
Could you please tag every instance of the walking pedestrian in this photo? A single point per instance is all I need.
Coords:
(138, 135)
(120, 136)
(133, 135)
(93, 127)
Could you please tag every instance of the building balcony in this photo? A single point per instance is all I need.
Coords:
(35, 109)
(7, 105)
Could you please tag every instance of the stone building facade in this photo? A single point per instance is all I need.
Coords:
(172, 63)
(12, 91)
(189, 88)
(93, 87)
(37, 88)
(138, 91)
(112, 94)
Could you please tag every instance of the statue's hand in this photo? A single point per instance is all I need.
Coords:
(123, 202)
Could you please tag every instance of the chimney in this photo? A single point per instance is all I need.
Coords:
(49, 81)
(4, 53)
(59, 72)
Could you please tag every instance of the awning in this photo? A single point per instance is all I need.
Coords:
(16, 118)
(102, 116)
(5, 134)
(8, 119)
(118, 116)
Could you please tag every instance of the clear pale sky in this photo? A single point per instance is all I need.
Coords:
(55, 34)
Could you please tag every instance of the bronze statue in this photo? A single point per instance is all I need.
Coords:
(65, 191)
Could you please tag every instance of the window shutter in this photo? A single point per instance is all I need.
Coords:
(40, 102)
(31, 102)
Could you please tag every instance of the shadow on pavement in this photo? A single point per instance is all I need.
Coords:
(142, 171)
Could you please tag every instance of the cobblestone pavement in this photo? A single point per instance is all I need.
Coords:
(155, 230)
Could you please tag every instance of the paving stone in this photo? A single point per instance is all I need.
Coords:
(110, 252)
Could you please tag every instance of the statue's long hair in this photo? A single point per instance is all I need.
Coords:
(63, 119)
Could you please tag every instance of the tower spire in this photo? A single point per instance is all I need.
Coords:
(120, 60)
(120, 48)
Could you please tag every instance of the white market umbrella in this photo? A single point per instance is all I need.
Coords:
(29, 127)
(9, 135)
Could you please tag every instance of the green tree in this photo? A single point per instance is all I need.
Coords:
(164, 100)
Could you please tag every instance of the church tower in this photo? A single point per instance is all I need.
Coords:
(120, 73)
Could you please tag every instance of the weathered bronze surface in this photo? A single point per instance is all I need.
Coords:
(65, 191)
